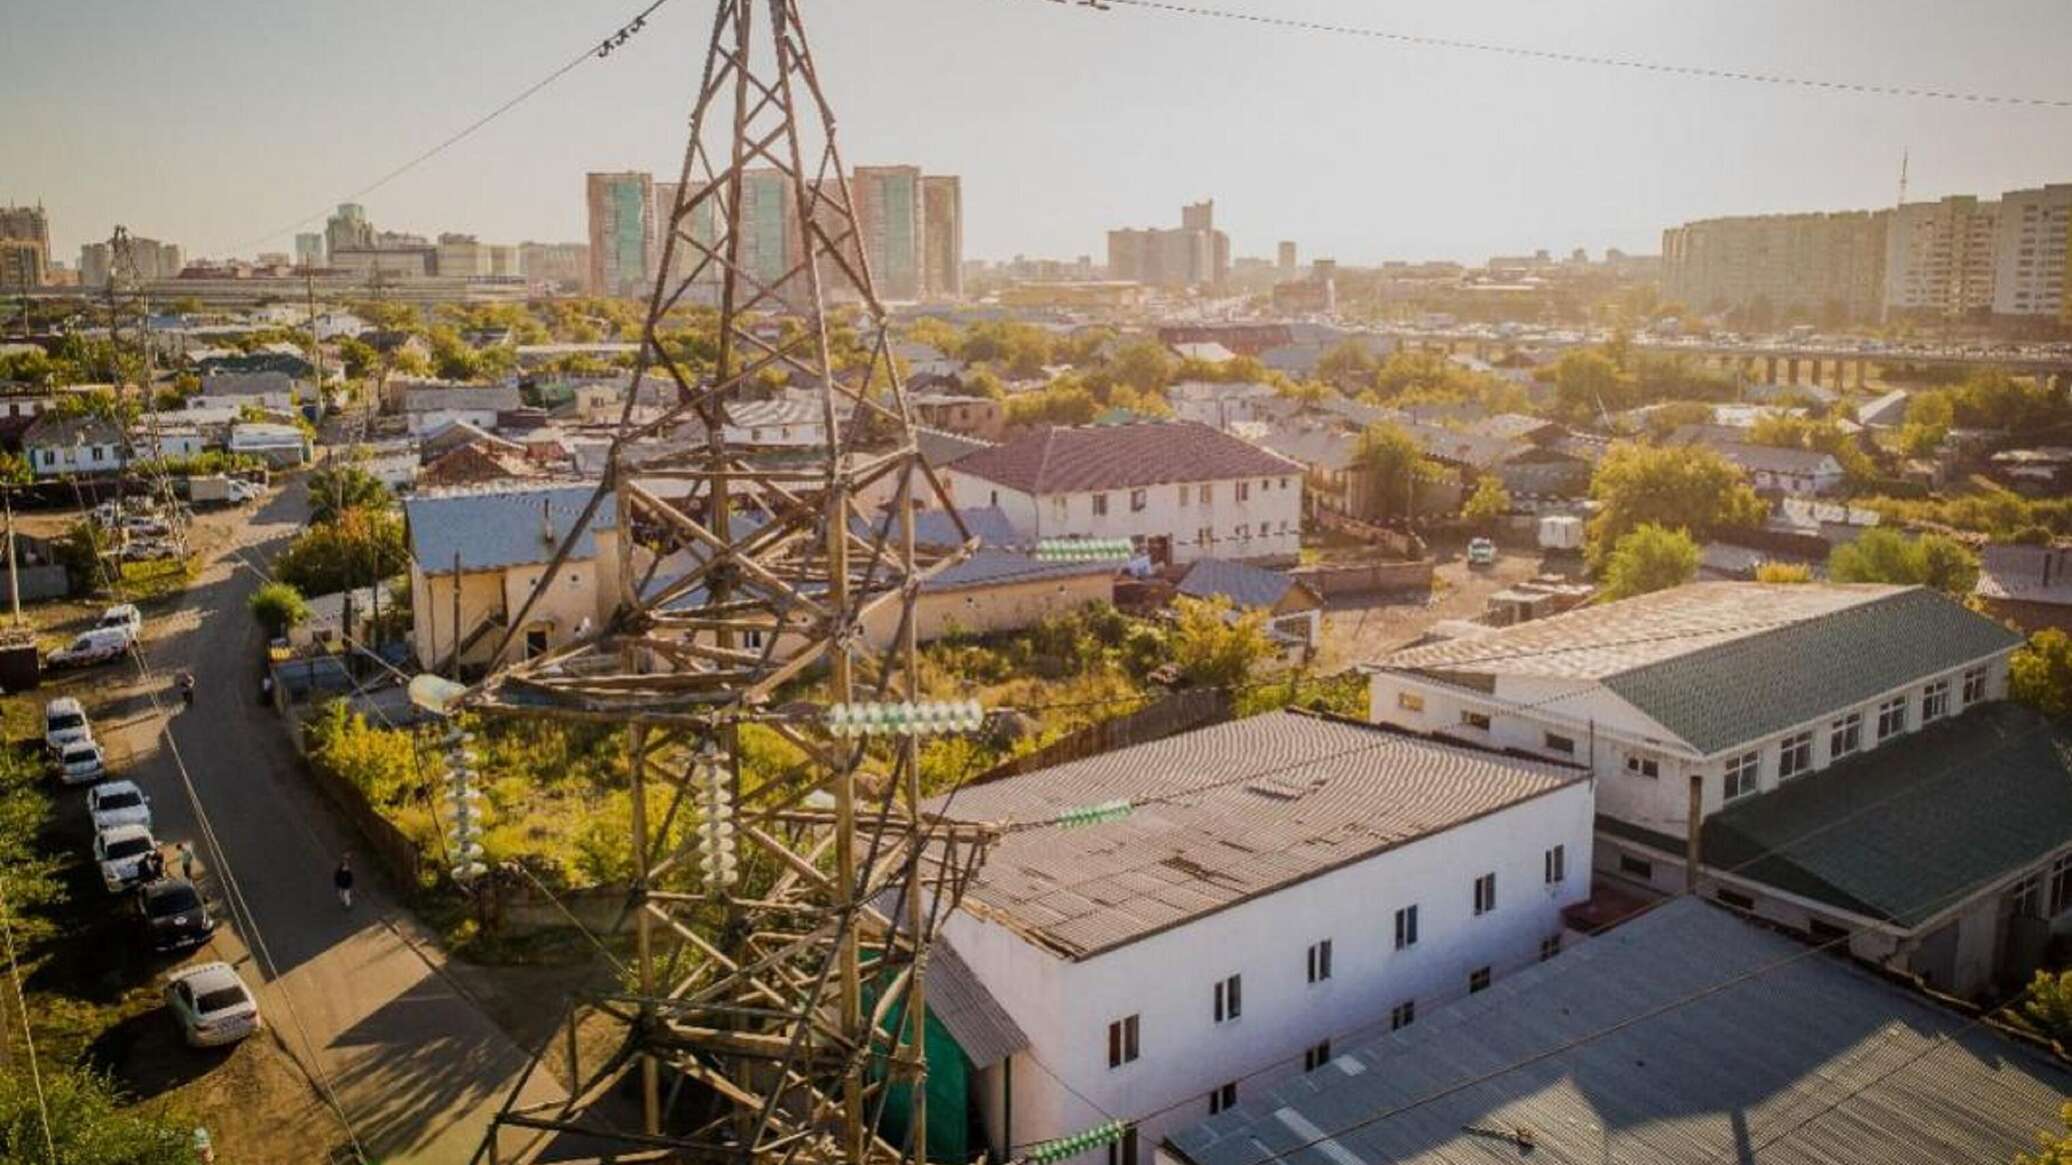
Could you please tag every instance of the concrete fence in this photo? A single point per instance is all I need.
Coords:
(1366, 578)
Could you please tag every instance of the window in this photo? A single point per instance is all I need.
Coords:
(1935, 701)
(97, 453)
(1123, 1150)
(1221, 1097)
(1549, 947)
(1892, 718)
(1406, 927)
(1122, 1042)
(996, 497)
(50, 457)
(1555, 742)
(1743, 774)
(1137, 501)
(1316, 1057)
(1184, 492)
(1737, 901)
(1636, 867)
(1410, 701)
(1060, 507)
(1845, 736)
(1320, 961)
(1485, 894)
(1100, 505)
(1645, 766)
(1287, 483)
(1795, 755)
(1244, 491)
(1230, 998)
(2060, 885)
(1244, 532)
(1402, 1015)
(1478, 980)
(1974, 686)
(2025, 897)
(1475, 720)
(1204, 536)
(1208, 493)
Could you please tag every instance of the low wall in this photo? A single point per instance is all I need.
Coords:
(42, 582)
(1366, 578)
(1177, 713)
(396, 855)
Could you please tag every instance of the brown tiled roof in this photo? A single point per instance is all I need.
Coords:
(1122, 456)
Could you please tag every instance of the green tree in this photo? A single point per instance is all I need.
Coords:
(88, 1122)
(1389, 453)
(357, 549)
(83, 552)
(1650, 558)
(1213, 647)
(14, 470)
(2040, 673)
(1145, 366)
(1695, 490)
(2054, 1148)
(1588, 384)
(278, 606)
(1489, 502)
(337, 488)
(1883, 555)
(1349, 366)
(2049, 1004)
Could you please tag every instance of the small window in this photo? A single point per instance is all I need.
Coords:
(1230, 998)
(1137, 501)
(1122, 1042)
(1645, 766)
(1636, 867)
(1244, 491)
(1208, 493)
(1123, 1150)
(1222, 1097)
(1736, 900)
(1744, 774)
(2060, 885)
(1244, 532)
(1410, 701)
(1795, 755)
(1478, 980)
(1286, 483)
(1100, 505)
(1485, 894)
(1555, 862)
(1892, 718)
(1060, 506)
(1549, 947)
(1320, 961)
(1974, 686)
(2025, 898)
(1845, 736)
(1316, 1056)
(996, 497)
(1184, 492)
(1555, 742)
(752, 639)
(1475, 720)
(1935, 701)
(1402, 1015)
(1406, 927)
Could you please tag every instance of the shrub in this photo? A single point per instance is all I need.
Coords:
(278, 606)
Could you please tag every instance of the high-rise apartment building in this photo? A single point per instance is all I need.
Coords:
(1828, 266)
(2032, 256)
(348, 229)
(24, 246)
(154, 261)
(463, 256)
(1286, 258)
(1195, 254)
(1939, 256)
(942, 244)
(309, 249)
(621, 209)
(564, 265)
(888, 219)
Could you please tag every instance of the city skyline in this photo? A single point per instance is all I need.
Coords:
(1687, 148)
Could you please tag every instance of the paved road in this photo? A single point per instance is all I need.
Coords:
(416, 1066)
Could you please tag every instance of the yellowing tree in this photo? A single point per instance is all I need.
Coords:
(1694, 490)
(1650, 558)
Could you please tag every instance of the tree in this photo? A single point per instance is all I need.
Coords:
(1695, 490)
(1650, 558)
(1489, 502)
(1350, 366)
(83, 552)
(1783, 572)
(2049, 1004)
(278, 606)
(88, 1122)
(1144, 365)
(1883, 555)
(358, 549)
(2040, 673)
(1587, 384)
(1214, 648)
(1397, 463)
(335, 489)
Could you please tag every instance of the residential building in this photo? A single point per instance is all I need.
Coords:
(975, 416)
(154, 261)
(1802, 473)
(1285, 257)
(622, 232)
(2032, 254)
(26, 224)
(309, 249)
(1000, 587)
(2029, 586)
(1736, 693)
(56, 446)
(491, 546)
(1821, 265)
(279, 446)
(1179, 489)
(1220, 404)
(1285, 879)
(401, 261)
(427, 408)
(23, 264)
(463, 256)
(1684, 1034)
(267, 390)
(890, 224)
(348, 229)
(942, 242)
(1939, 257)
(1195, 254)
(1294, 613)
(565, 266)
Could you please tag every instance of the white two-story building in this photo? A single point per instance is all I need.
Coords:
(1282, 884)
(1179, 489)
(1844, 752)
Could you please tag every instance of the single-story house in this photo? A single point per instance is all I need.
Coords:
(2029, 586)
(277, 445)
(55, 446)
(426, 408)
(1294, 612)
(267, 390)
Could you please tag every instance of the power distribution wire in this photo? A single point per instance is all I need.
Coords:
(1703, 72)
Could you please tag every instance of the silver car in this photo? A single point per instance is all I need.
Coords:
(212, 1005)
(118, 803)
(120, 851)
(81, 762)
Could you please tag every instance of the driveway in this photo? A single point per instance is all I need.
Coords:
(359, 997)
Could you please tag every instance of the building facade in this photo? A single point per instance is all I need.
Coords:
(564, 265)
(1820, 265)
(621, 216)
(1939, 257)
(2032, 254)
(24, 247)
(1195, 254)
(942, 243)
(348, 229)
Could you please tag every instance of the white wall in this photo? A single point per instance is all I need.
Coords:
(56, 460)
(430, 420)
(1270, 517)
(1168, 979)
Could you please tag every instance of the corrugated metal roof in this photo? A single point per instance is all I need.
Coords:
(1244, 585)
(1121, 456)
(976, 1020)
(506, 526)
(1225, 814)
(1737, 1045)
(990, 567)
(2029, 574)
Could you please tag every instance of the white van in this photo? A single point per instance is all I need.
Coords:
(64, 721)
(96, 646)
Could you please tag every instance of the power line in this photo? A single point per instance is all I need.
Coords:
(1705, 72)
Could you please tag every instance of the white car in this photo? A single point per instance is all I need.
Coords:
(64, 721)
(123, 615)
(118, 803)
(120, 851)
(99, 645)
(81, 762)
(212, 1005)
(242, 491)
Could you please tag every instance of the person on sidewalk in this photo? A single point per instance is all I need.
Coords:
(186, 851)
(343, 880)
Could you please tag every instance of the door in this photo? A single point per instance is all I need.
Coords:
(535, 641)
(1160, 549)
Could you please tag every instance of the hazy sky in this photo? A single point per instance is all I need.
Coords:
(209, 123)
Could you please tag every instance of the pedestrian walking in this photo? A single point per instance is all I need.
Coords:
(343, 880)
(187, 860)
(152, 867)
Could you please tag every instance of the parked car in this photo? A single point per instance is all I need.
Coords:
(212, 1005)
(1481, 552)
(64, 721)
(123, 615)
(120, 852)
(81, 762)
(148, 525)
(150, 550)
(118, 803)
(173, 915)
(91, 647)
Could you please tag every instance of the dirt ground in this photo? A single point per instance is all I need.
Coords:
(1361, 628)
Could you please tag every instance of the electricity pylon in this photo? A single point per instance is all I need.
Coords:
(782, 922)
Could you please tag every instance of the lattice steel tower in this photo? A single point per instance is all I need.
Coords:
(781, 923)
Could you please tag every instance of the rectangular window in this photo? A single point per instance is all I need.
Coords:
(2026, 897)
(1892, 718)
(1061, 507)
(1123, 1150)
(1402, 1015)
(1244, 531)
(1204, 536)
(1474, 720)
(1208, 493)
(1100, 505)
(1320, 961)
(1555, 742)
(1122, 1042)
(1286, 482)
(1974, 686)
(1795, 755)
(1844, 736)
(1555, 862)
(1230, 998)
(1645, 766)
(2060, 885)
(1316, 1057)
(1744, 772)
(1244, 491)
(1184, 492)
(1222, 1097)
(1935, 701)
(1549, 947)
(1406, 927)
(1478, 980)
(1410, 701)
(1485, 894)
(1737, 901)
(1634, 867)
(1137, 501)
